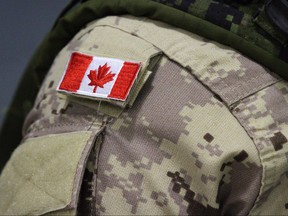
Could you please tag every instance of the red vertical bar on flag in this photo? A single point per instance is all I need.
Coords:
(75, 72)
(124, 80)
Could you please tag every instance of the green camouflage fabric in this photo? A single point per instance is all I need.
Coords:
(205, 136)
(243, 27)
(249, 21)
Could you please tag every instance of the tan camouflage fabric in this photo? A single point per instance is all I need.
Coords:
(205, 134)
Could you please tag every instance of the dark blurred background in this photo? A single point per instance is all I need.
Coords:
(23, 24)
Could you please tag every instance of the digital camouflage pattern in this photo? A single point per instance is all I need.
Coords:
(244, 27)
(264, 116)
(249, 21)
(206, 135)
(180, 162)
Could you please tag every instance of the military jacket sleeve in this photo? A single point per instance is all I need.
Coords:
(204, 132)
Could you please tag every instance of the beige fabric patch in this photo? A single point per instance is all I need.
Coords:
(42, 174)
(108, 43)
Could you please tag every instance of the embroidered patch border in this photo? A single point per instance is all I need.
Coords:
(99, 77)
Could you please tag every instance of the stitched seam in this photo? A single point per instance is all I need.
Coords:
(246, 128)
(210, 87)
(76, 190)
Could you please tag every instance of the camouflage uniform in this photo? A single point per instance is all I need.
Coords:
(204, 133)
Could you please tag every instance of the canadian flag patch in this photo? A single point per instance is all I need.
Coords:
(99, 77)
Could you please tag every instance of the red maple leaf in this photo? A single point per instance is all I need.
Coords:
(101, 77)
